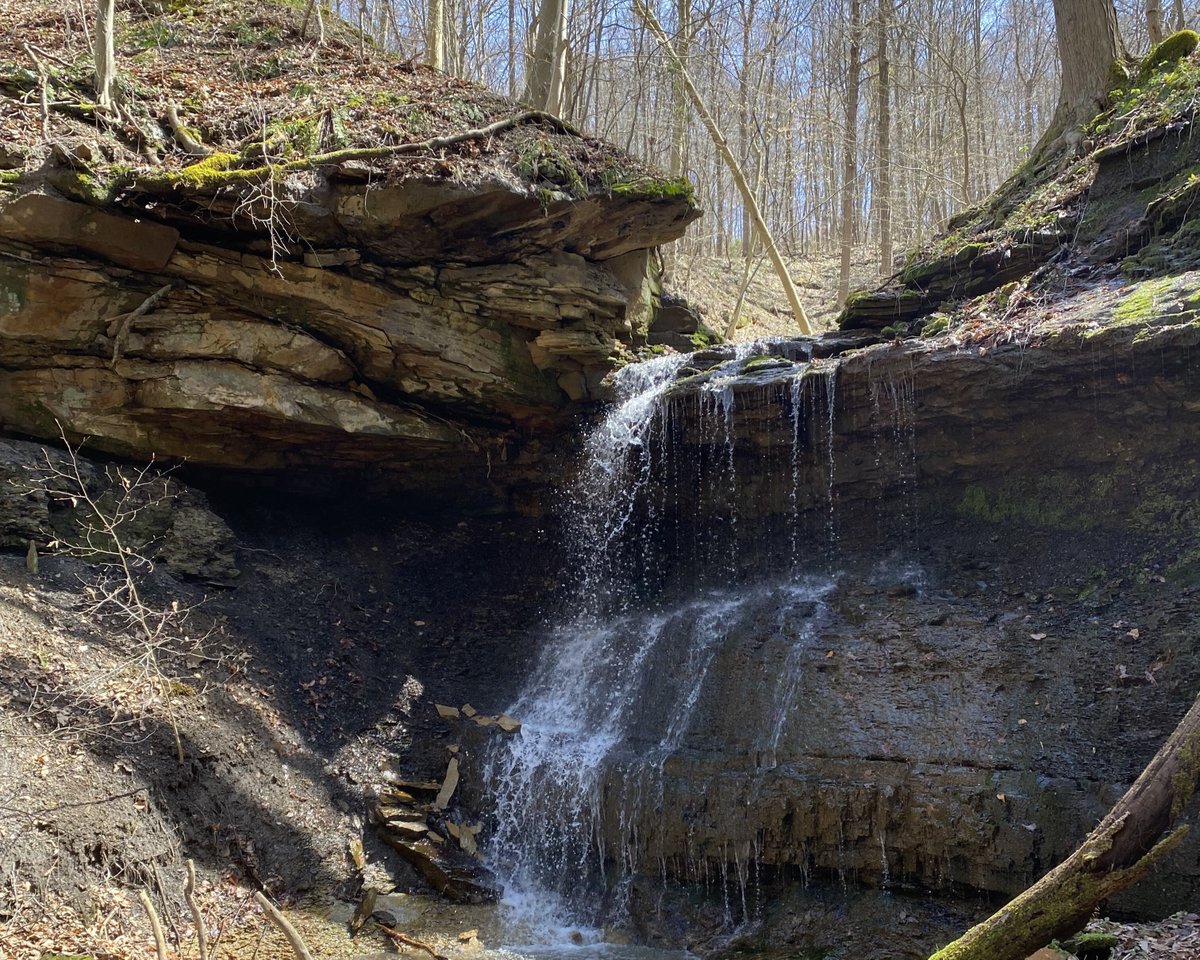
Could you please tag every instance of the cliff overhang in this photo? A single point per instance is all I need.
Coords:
(347, 262)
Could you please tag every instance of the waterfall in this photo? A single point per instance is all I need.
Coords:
(621, 709)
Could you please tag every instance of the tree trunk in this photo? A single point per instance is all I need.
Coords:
(1088, 44)
(679, 108)
(105, 54)
(722, 145)
(1114, 857)
(547, 72)
(850, 148)
(1154, 21)
(435, 35)
(883, 119)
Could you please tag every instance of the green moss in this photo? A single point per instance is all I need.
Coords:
(935, 324)
(1141, 304)
(14, 286)
(215, 170)
(1051, 502)
(757, 363)
(1171, 50)
(654, 188)
(542, 162)
(1092, 944)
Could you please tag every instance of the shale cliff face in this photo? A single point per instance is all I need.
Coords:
(301, 297)
(1008, 632)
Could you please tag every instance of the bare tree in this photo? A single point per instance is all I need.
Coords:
(105, 54)
(548, 65)
(1088, 46)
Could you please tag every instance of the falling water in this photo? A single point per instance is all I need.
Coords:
(629, 685)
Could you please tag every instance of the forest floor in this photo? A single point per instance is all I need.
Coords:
(711, 284)
(296, 694)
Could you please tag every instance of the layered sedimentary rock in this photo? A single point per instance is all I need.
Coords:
(343, 261)
(1009, 534)
(438, 364)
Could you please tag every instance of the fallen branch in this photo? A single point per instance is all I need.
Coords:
(189, 895)
(121, 334)
(299, 947)
(334, 157)
(183, 136)
(411, 942)
(43, 88)
(160, 945)
(1115, 856)
(749, 201)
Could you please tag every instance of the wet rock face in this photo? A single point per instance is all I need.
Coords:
(932, 741)
(961, 714)
(424, 330)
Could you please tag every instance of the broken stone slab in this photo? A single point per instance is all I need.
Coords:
(45, 220)
(447, 869)
(468, 710)
(507, 723)
(445, 712)
(413, 787)
(408, 829)
(448, 786)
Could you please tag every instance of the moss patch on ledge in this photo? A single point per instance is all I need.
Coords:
(654, 188)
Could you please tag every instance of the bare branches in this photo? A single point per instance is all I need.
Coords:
(299, 947)
(160, 946)
(107, 522)
(189, 895)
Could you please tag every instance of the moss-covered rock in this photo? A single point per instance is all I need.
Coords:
(1171, 50)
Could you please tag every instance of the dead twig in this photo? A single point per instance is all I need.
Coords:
(411, 942)
(189, 895)
(43, 88)
(160, 945)
(299, 947)
(119, 327)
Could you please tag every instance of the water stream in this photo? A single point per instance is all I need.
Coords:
(671, 634)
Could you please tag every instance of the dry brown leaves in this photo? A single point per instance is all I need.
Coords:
(238, 71)
(1177, 937)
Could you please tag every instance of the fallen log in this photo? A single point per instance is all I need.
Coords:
(1115, 856)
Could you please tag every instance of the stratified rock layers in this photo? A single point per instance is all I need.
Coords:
(1023, 640)
(426, 329)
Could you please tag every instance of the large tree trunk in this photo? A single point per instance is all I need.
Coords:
(1088, 45)
(547, 72)
(435, 35)
(1154, 21)
(1114, 857)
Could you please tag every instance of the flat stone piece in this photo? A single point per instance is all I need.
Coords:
(448, 785)
(507, 723)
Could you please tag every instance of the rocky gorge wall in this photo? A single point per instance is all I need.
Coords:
(1009, 537)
